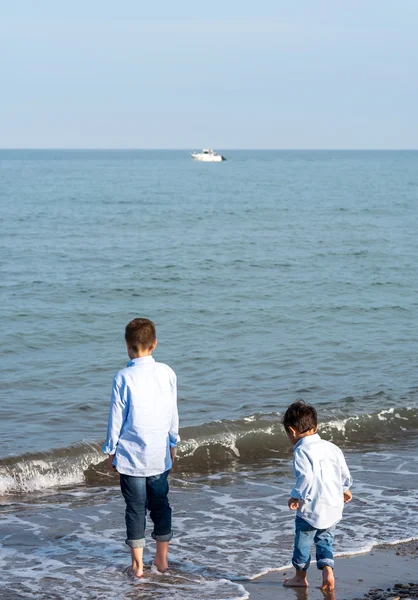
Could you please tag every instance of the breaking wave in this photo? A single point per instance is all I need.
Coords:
(204, 448)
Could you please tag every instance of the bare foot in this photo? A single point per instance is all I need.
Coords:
(299, 580)
(328, 580)
(135, 571)
(137, 567)
(161, 557)
(159, 568)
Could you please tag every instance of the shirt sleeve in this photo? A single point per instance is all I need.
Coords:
(117, 415)
(174, 427)
(304, 475)
(346, 479)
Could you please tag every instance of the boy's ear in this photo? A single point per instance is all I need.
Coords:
(154, 346)
(292, 431)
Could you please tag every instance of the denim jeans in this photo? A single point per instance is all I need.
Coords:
(323, 539)
(142, 493)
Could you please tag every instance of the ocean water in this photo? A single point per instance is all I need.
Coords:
(272, 276)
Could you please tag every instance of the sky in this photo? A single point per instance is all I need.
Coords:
(300, 74)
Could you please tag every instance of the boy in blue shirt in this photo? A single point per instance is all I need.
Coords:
(322, 486)
(141, 442)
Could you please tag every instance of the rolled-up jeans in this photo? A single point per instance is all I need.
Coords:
(142, 493)
(304, 536)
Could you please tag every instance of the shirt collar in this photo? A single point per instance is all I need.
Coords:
(140, 361)
(308, 439)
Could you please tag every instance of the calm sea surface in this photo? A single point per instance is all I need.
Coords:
(270, 277)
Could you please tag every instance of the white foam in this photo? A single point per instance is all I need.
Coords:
(226, 439)
(389, 411)
(36, 475)
(229, 527)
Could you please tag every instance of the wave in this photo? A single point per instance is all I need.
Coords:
(204, 448)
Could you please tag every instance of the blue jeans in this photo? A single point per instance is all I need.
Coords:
(323, 539)
(142, 493)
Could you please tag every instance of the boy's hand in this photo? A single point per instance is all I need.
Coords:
(110, 460)
(173, 452)
(348, 496)
(293, 503)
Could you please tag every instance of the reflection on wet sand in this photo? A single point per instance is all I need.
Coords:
(303, 593)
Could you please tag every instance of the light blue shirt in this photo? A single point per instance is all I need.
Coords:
(143, 418)
(322, 476)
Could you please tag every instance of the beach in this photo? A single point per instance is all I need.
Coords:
(386, 572)
(230, 525)
(271, 277)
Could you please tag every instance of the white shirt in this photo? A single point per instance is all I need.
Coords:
(143, 418)
(322, 476)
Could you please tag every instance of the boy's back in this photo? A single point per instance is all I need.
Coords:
(322, 476)
(144, 401)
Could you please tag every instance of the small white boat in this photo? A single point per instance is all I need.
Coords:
(207, 155)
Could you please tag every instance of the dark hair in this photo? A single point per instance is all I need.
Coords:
(140, 334)
(300, 416)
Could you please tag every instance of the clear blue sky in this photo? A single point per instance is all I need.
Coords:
(227, 74)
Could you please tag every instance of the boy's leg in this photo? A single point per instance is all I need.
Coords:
(324, 539)
(135, 494)
(160, 513)
(302, 553)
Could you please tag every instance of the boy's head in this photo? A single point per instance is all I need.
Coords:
(300, 420)
(140, 337)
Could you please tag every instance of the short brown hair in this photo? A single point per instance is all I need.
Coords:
(140, 334)
(300, 416)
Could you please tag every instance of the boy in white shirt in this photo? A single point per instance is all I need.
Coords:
(141, 442)
(322, 486)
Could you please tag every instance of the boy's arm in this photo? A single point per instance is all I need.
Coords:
(346, 479)
(174, 427)
(117, 415)
(303, 473)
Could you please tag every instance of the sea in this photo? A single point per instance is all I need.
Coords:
(271, 277)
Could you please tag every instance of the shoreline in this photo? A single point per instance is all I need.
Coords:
(371, 575)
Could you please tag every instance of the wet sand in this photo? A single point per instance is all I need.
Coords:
(356, 576)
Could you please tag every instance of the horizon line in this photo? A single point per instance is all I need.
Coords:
(182, 149)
